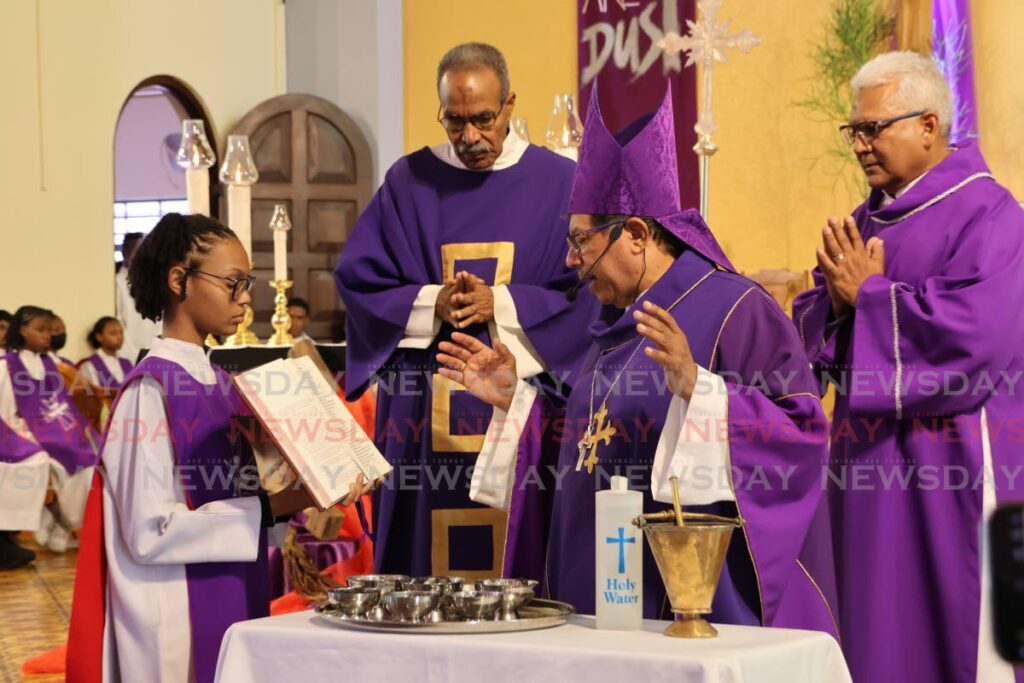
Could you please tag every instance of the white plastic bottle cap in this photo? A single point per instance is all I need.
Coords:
(619, 483)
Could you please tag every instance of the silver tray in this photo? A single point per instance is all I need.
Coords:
(536, 614)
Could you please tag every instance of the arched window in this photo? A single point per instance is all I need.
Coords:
(147, 182)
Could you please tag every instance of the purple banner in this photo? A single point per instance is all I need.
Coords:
(618, 48)
(951, 50)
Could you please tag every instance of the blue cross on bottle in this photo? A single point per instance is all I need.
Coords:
(622, 541)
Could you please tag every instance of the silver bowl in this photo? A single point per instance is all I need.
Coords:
(477, 605)
(354, 601)
(385, 582)
(512, 599)
(502, 584)
(411, 605)
(445, 586)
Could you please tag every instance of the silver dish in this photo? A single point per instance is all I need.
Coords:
(385, 583)
(445, 586)
(534, 614)
(411, 605)
(477, 605)
(502, 584)
(512, 599)
(392, 581)
(354, 601)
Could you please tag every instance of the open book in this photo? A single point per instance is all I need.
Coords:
(311, 427)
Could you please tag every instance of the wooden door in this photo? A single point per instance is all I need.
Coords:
(313, 158)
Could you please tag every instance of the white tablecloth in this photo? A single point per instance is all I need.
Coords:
(301, 647)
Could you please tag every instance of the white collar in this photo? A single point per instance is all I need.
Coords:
(186, 354)
(888, 199)
(511, 152)
(33, 362)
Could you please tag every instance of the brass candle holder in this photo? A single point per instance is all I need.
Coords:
(243, 336)
(281, 321)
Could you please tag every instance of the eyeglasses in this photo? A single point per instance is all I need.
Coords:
(577, 244)
(869, 130)
(484, 121)
(238, 286)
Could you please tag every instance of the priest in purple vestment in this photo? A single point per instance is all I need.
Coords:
(692, 371)
(914, 320)
(463, 236)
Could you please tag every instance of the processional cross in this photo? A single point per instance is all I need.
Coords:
(706, 43)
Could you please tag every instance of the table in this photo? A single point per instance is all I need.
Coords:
(301, 647)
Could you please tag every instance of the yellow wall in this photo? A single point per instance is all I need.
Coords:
(998, 65)
(767, 204)
(64, 79)
(536, 37)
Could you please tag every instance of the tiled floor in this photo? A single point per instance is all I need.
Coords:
(36, 605)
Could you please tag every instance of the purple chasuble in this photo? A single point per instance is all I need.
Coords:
(52, 417)
(103, 374)
(428, 221)
(208, 464)
(777, 440)
(927, 363)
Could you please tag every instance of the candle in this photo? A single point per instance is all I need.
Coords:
(240, 215)
(195, 156)
(198, 189)
(280, 255)
(280, 224)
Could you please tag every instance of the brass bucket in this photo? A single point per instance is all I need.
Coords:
(690, 560)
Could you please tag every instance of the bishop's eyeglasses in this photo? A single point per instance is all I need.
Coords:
(869, 130)
(579, 238)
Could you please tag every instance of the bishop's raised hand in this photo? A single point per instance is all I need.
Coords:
(489, 374)
(670, 348)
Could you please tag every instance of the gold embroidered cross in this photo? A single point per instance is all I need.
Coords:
(605, 432)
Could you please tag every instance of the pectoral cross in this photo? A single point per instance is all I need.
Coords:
(584, 445)
(604, 432)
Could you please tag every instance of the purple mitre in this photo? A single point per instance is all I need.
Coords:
(635, 173)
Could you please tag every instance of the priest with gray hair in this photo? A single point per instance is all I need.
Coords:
(467, 235)
(909, 320)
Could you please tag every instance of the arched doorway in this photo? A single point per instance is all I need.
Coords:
(147, 182)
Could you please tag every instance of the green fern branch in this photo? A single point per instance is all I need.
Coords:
(857, 30)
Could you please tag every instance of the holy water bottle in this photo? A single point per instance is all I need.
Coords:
(619, 587)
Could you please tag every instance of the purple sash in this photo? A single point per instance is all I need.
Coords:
(51, 415)
(13, 446)
(103, 374)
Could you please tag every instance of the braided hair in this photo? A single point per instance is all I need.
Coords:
(23, 316)
(93, 337)
(174, 241)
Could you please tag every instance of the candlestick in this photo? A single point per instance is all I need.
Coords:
(281, 321)
(243, 336)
